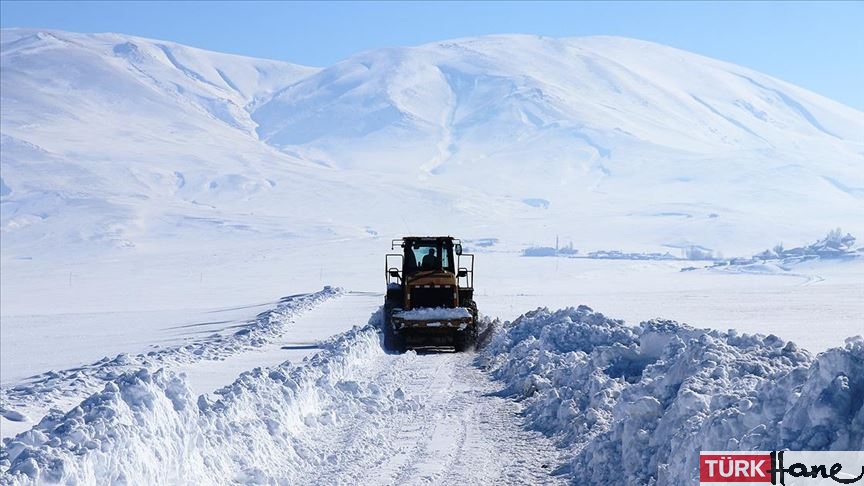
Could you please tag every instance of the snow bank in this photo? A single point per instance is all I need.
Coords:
(147, 428)
(71, 386)
(636, 404)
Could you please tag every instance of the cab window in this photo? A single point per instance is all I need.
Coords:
(432, 256)
(427, 256)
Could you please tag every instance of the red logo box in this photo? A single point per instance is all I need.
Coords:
(735, 468)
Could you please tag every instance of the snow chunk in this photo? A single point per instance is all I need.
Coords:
(12, 415)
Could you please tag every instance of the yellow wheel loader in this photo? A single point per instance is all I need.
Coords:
(430, 295)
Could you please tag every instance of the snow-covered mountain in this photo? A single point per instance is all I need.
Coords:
(119, 142)
(611, 142)
(549, 102)
(594, 129)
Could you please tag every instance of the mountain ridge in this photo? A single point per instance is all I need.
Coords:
(610, 135)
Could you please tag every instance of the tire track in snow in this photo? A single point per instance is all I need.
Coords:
(435, 383)
(452, 428)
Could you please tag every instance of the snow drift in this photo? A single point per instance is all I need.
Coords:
(147, 428)
(635, 405)
(46, 390)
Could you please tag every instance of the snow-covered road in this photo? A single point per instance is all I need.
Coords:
(347, 414)
(455, 428)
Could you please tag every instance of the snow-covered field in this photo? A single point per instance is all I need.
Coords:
(193, 252)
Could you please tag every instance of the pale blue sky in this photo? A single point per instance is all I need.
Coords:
(817, 45)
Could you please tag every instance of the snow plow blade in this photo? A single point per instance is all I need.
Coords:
(431, 327)
(451, 318)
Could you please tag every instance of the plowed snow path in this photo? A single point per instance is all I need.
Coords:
(452, 429)
(300, 339)
(212, 357)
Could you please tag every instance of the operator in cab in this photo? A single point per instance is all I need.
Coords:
(428, 262)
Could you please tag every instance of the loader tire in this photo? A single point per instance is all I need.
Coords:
(393, 342)
(467, 339)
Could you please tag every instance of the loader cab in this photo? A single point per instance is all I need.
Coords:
(428, 254)
(429, 303)
(449, 266)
